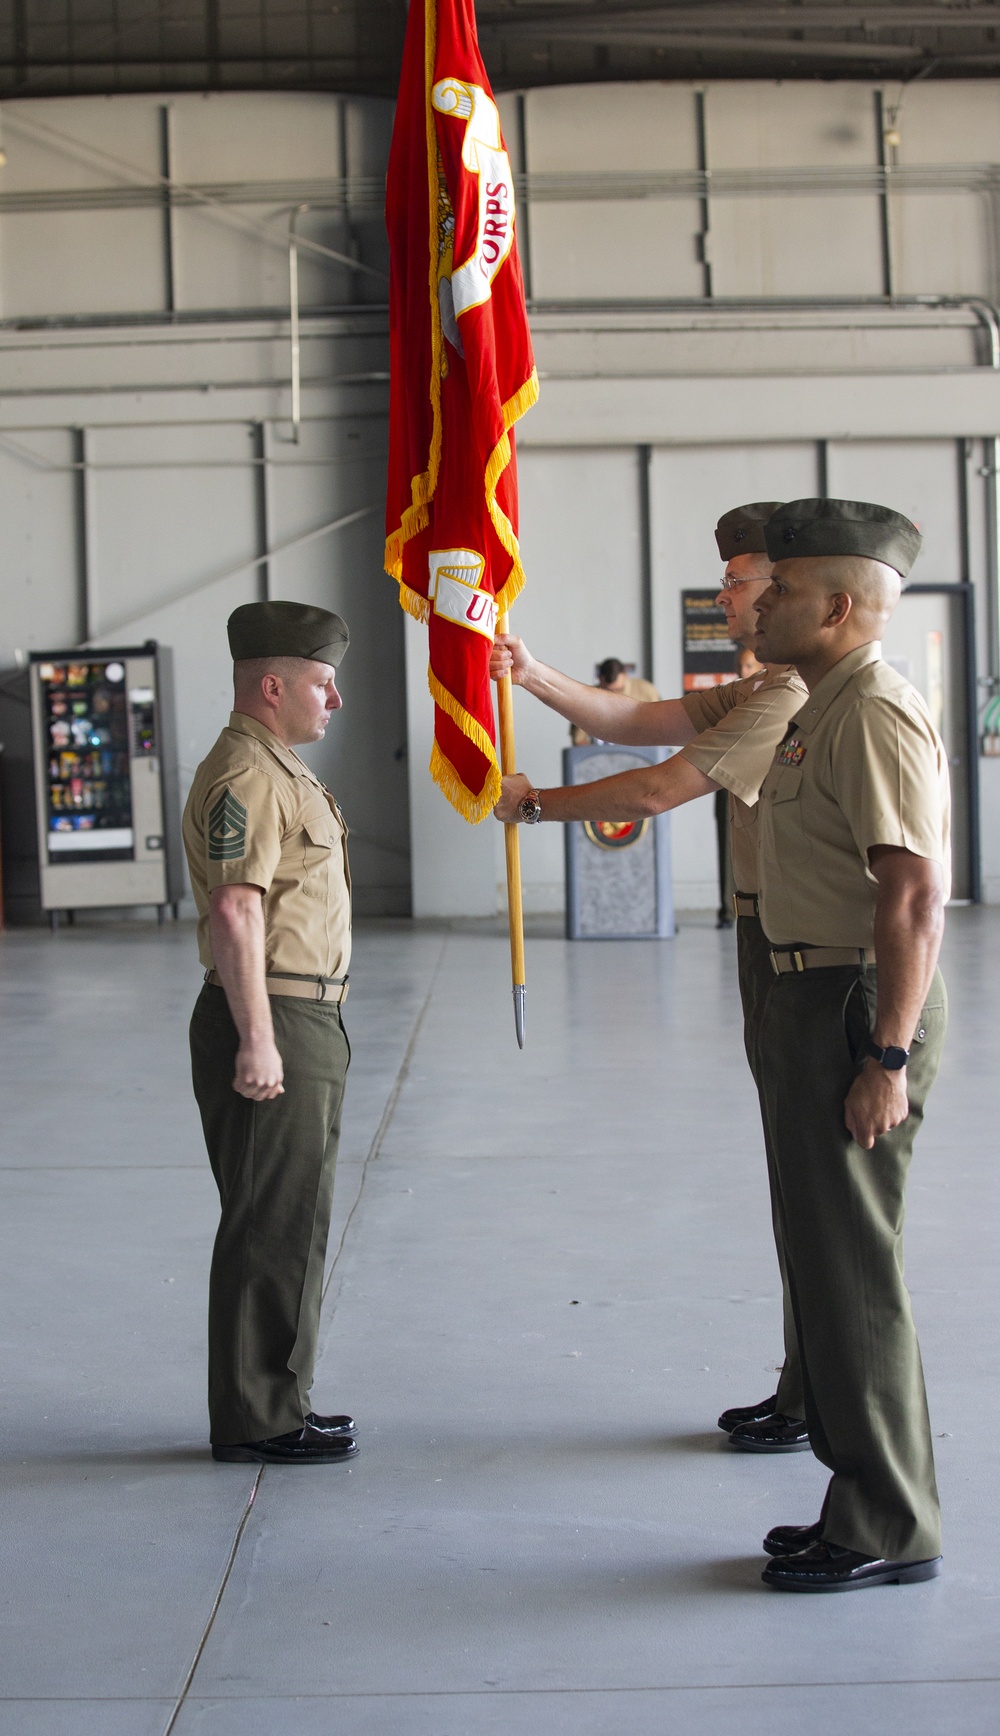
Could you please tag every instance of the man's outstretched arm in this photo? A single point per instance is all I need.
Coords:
(607, 716)
(628, 796)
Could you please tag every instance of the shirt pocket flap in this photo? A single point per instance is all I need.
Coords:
(321, 832)
(787, 784)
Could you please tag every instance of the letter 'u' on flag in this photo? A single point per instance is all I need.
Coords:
(462, 372)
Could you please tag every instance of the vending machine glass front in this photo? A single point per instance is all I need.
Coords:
(89, 793)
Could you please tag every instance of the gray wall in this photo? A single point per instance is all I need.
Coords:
(145, 441)
(146, 451)
(735, 400)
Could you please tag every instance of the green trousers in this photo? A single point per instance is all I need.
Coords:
(274, 1165)
(841, 1217)
(756, 976)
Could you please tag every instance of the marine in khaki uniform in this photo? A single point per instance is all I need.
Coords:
(737, 724)
(613, 677)
(728, 736)
(267, 852)
(854, 873)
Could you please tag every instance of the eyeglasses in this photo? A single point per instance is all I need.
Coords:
(734, 584)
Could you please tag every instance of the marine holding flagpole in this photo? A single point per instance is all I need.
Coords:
(461, 374)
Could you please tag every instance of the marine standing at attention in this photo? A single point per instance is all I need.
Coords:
(267, 852)
(727, 735)
(854, 874)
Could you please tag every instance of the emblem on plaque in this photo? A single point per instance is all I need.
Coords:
(615, 834)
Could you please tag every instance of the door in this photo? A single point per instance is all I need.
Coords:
(927, 641)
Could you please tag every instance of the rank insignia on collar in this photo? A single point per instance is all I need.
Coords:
(227, 829)
(791, 753)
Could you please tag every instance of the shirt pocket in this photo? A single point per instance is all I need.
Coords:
(320, 838)
(790, 854)
(787, 785)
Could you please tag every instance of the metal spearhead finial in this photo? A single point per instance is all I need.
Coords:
(518, 993)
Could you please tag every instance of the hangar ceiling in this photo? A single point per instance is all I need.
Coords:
(67, 47)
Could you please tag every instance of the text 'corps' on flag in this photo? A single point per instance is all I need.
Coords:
(462, 372)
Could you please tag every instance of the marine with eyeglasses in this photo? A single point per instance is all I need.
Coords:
(727, 737)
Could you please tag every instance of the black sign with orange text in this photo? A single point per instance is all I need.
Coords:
(709, 653)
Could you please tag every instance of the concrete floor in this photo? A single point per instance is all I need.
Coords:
(552, 1271)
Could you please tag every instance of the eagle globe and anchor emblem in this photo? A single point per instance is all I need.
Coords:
(615, 834)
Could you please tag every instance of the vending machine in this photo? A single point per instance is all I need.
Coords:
(105, 778)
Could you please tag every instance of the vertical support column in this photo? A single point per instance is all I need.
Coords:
(351, 246)
(971, 676)
(885, 215)
(963, 449)
(20, 43)
(988, 471)
(212, 46)
(262, 496)
(822, 469)
(87, 606)
(704, 238)
(523, 218)
(293, 305)
(644, 454)
(169, 239)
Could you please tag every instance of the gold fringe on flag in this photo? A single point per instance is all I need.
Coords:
(422, 488)
(499, 459)
(472, 808)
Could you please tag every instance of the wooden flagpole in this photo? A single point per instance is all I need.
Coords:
(512, 845)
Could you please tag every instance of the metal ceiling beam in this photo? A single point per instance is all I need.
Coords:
(720, 16)
(641, 36)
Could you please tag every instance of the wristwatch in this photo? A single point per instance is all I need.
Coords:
(530, 809)
(892, 1059)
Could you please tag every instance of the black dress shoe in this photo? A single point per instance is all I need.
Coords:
(792, 1539)
(827, 1567)
(306, 1446)
(748, 1413)
(776, 1434)
(331, 1425)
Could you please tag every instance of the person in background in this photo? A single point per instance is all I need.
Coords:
(613, 676)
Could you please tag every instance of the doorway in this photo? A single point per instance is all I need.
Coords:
(930, 640)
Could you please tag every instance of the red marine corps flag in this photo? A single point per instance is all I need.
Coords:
(462, 374)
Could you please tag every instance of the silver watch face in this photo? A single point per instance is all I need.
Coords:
(531, 808)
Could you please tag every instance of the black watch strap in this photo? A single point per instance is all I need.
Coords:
(891, 1058)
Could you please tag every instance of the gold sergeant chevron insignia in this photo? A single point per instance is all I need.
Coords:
(227, 829)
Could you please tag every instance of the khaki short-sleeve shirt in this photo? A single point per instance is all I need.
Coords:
(739, 726)
(257, 816)
(861, 765)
